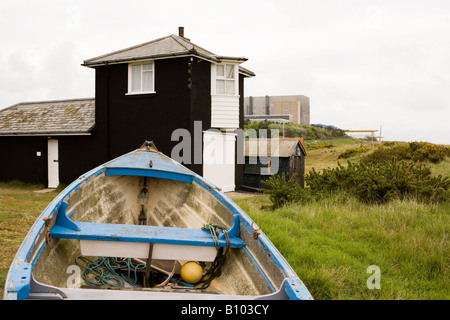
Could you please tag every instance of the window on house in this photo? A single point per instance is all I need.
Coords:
(225, 79)
(141, 78)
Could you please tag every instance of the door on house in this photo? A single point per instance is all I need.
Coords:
(219, 159)
(53, 164)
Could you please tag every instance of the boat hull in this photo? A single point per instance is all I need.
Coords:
(177, 201)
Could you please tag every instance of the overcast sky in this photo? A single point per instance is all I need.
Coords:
(363, 64)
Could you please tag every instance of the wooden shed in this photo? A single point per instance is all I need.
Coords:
(48, 142)
(266, 157)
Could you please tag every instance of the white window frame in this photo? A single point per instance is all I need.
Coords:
(215, 77)
(130, 77)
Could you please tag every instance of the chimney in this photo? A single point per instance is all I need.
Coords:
(181, 33)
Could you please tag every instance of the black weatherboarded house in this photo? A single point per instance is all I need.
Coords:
(144, 92)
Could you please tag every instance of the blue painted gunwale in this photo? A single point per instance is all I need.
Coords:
(17, 284)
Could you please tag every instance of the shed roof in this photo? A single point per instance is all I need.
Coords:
(162, 48)
(264, 147)
(62, 117)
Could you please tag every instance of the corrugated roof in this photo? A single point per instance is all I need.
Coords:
(76, 116)
(265, 148)
(166, 47)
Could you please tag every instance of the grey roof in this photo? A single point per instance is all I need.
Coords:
(76, 116)
(265, 148)
(162, 48)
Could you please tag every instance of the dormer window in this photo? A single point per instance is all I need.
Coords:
(141, 78)
(226, 79)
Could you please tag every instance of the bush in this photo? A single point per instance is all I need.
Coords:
(321, 133)
(415, 151)
(311, 133)
(424, 151)
(382, 182)
(295, 130)
(291, 130)
(283, 191)
(375, 183)
(330, 131)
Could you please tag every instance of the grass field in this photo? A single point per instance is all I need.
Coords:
(19, 208)
(322, 154)
(330, 244)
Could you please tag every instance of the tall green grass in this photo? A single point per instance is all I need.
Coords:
(331, 244)
(19, 208)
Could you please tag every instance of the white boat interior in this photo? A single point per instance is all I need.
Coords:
(247, 272)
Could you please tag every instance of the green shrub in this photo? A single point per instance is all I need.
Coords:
(424, 151)
(283, 191)
(382, 182)
(369, 182)
(320, 133)
(329, 131)
(280, 190)
(291, 130)
(253, 125)
(415, 151)
(295, 130)
(311, 133)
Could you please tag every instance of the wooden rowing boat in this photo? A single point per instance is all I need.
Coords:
(125, 229)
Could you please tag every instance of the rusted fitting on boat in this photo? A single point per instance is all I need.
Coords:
(47, 233)
(256, 232)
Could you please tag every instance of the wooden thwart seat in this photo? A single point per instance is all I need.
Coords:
(106, 239)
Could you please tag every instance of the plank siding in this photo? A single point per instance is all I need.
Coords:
(225, 112)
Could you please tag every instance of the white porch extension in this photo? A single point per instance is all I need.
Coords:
(219, 143)
(219, 159)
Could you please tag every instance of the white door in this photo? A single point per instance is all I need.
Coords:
(219, 159)
(53, 165)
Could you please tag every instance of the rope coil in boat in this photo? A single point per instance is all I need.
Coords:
(103, 271)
